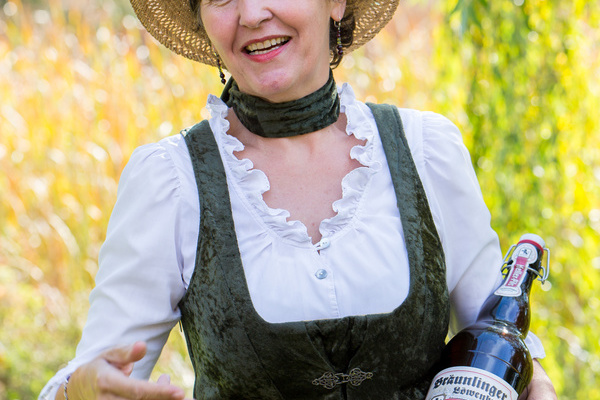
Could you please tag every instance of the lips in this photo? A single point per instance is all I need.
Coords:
(267, 45)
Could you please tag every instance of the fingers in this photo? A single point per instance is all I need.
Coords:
(120, 386)
(125, 354)
(107, 378)
(540, 387)
(123, 357)
(525, 394)
(165, 379)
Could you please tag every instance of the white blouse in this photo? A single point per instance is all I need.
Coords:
(360, 266)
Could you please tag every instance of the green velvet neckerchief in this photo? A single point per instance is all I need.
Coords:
(308, 114)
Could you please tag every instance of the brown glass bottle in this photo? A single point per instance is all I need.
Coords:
(489, 359)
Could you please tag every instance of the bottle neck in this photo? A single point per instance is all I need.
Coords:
(519, 278)
(509, 304)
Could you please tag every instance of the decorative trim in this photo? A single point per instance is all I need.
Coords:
(329, 380)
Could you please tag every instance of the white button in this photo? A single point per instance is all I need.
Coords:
(321, 274)
(323, 244)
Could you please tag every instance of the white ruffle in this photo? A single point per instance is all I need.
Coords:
(356, 181)
(251, 183)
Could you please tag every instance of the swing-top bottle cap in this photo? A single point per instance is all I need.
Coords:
(534, 238)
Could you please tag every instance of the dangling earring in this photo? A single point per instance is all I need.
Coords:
(338, 26)
(221, 74)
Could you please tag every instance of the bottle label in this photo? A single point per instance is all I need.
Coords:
(467, 383)
(524, 255)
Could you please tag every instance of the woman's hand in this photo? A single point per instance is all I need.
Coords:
(107, 377)
(540, 387)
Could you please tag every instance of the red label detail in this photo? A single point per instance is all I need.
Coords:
(517, 272)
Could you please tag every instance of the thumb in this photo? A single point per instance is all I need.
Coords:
(123, 355)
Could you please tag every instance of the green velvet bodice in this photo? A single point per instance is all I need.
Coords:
(238, 355)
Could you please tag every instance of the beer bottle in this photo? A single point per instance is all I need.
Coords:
(489, 359)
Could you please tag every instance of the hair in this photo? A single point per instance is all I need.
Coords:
(348, 23)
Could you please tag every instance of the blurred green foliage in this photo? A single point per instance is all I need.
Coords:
(532, 102)
(81, 85)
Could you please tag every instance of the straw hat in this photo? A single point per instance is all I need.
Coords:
(175, 25)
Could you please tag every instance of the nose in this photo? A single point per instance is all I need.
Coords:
(253, 13)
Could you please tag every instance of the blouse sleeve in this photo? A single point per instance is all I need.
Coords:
(471, 247)
(139, 282)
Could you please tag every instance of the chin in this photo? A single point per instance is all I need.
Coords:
(275, 90)
(284, 83)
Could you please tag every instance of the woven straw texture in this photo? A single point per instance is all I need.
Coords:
(175, 25)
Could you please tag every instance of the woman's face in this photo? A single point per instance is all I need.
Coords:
(275, 49)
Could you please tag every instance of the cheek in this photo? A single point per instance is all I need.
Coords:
(216, 27)
(316, 27)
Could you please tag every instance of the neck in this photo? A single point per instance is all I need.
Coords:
(308, 114)
(310, 142)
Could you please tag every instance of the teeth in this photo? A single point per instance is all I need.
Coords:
(255, 47)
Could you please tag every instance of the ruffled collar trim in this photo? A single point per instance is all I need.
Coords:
(251, 183)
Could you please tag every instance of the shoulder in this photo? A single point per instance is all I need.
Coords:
(437, 147)
(158, 179)
(423, 128)
(429, 129)
(171, 150)
(433, 140)
(162, 162)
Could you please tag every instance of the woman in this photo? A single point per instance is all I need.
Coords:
(327, 264)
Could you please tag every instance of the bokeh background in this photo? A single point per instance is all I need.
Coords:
(81, 85)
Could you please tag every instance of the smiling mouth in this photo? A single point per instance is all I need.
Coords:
(266, 46)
